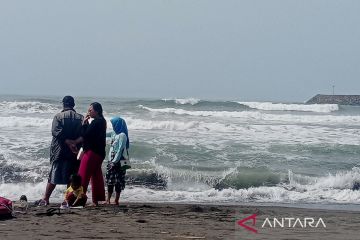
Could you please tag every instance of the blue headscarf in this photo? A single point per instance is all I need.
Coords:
(119, 126)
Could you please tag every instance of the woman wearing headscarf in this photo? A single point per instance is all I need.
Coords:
(118, 157)
(93, 138)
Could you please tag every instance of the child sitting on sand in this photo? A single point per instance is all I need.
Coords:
(74, 195)
(118, 158)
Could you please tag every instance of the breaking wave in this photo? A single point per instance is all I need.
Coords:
(296, 189)
(27, 107)
(260, 116)
(269, 106)
(183, 101)
(24, 122)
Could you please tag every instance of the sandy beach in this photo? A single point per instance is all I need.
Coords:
(177, 221)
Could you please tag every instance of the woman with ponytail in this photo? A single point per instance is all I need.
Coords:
(93, 138)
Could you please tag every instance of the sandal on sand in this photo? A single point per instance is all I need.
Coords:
(40, 203)
(50, 212)
(64, 205)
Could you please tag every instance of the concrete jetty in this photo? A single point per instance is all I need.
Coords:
(335, 99)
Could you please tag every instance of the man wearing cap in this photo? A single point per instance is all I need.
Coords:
(66, 126)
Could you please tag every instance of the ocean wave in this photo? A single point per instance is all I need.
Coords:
(33, 191)
(183, 101)
(246, 177)
(175, 125)
(172, 175)
(184, 178)
(305, 136)
(191, 104)
(269, 106)
(301, 189)
(340, 180)
(27, 107)
(330, 189)
(273, 194)
(24, 122)
(179, 111)
(251, 116)
(254, 194)
(161, 125)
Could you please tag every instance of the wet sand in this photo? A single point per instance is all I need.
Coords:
(176, 221)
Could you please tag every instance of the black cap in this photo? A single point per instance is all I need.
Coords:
(68, 101)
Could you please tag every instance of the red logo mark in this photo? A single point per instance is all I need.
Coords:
(241, 223)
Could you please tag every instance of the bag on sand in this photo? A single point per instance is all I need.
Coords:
(5, 207)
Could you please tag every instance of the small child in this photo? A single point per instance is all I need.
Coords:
(74, 195)
(118, 159)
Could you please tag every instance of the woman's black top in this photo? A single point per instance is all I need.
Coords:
(94, 135)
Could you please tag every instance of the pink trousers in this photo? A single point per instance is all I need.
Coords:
(90, 168)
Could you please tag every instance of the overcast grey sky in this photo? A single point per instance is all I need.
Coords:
(267, 50)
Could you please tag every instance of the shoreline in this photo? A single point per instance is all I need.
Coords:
(175, 221)
(352, 207)
(311, 205)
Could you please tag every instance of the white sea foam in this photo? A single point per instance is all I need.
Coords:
(251, 116)
(158, 124)
(330, 189)
(339, 180)
(193, 113)
(13, 121)
(269, 106)
(259, 194)
(33, 191)
(259, 133)
(183, 101)
(27, 107)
